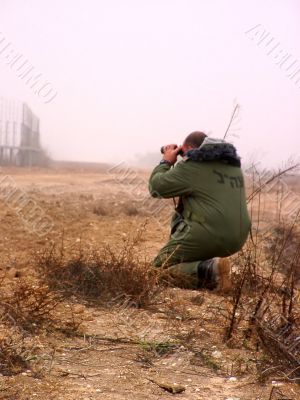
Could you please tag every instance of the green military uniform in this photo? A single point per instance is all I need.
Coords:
(213, 221)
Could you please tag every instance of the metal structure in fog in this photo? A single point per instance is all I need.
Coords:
(19, 134)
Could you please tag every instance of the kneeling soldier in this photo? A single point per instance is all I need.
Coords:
(211, 221)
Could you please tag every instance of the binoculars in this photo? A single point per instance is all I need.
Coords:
(162, 150)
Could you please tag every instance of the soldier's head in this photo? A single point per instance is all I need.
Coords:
(193, 141)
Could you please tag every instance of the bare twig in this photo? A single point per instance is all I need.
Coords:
(233, 116)
(271, 179)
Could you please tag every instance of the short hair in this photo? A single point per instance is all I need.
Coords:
(195, 139)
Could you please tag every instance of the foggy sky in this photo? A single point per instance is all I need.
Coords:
(132, 75)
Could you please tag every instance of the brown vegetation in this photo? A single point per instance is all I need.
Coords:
(99, 275)
(88, 312)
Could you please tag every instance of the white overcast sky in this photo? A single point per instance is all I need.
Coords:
(133, 75)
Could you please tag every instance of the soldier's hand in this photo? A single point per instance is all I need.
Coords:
(171, 152)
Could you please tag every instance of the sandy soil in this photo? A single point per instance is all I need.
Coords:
(118, 352)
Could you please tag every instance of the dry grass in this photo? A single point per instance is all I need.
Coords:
(130, 210)
(28, 306)
(12, 352)
(100, 210)
(103, 275)
(265, 300)
(264, 305)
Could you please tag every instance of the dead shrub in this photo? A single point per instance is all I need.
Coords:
(25, 308)
(130, 210)
(265, 299)
(100, 210)
(101, 275)
(265, 309)
(28, 306)
(12, 350)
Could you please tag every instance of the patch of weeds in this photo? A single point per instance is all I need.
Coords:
(157, 348)
(205, 358)
(100, 210)
(101, 275)
(28, 306)
(12, 350)
(130, 210)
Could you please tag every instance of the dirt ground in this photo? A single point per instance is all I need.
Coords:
(122, 352)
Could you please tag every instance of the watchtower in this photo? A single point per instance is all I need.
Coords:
(19, 134)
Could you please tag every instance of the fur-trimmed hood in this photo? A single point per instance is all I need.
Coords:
(213, 150)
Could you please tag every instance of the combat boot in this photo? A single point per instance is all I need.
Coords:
(214, 273)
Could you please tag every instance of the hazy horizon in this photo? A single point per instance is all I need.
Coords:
(131, 75)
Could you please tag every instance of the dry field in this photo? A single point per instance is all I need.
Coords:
(63, 345)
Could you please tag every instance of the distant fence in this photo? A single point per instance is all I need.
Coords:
(19, 134)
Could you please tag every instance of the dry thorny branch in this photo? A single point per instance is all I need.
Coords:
(265, 301)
